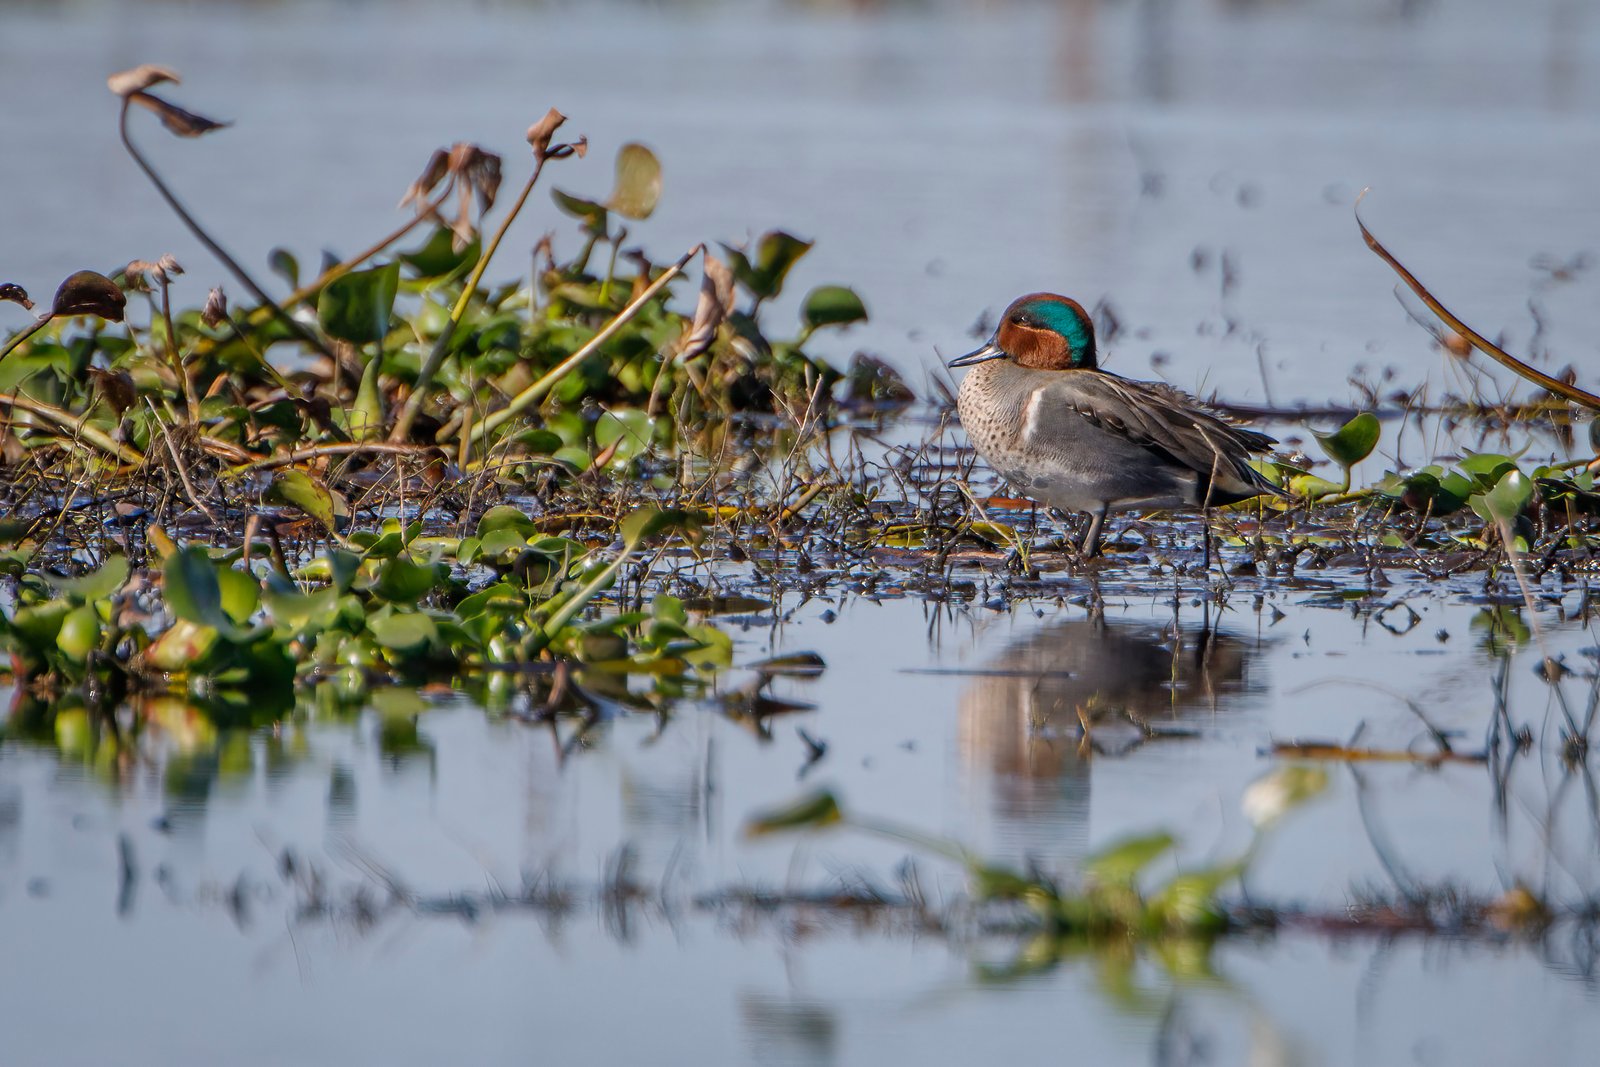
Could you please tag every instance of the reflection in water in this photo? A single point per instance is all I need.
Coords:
(1021, 718)
(788, 1032)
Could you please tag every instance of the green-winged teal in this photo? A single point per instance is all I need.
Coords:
(1039, 410)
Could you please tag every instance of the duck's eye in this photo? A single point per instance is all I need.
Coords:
(1019, 320)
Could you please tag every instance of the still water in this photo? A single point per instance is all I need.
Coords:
(1193, 165)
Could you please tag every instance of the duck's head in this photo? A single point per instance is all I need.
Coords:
(1043, 331)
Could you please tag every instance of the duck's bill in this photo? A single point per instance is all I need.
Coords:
(982, 355)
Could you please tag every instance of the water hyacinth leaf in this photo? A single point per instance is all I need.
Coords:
(357, 306)
(763, 276)
(111, 576)
(832, 305)
(299, 489)
(282, 263)
(1486, 468)
(1507, 500)
(629, 429)
(297, 611)
(505, 517)
(403, 631)
(194, 593)
(366, 414)
(1352, 442)
(497, 544)
(404, 582)
(812, 811)
(88, 292)
(593, 214)
(38, 624)
(648, 522)
(1120, 862)
(638, 182)
(241, 594)
(79, 634)
(438, 256)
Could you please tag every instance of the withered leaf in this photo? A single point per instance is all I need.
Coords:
(716, 300)
(216, 309)
(16, 294)
(116, 386)
(181, 122)
(417, 192)
(127, 82)
(540, 132)
(89, 293)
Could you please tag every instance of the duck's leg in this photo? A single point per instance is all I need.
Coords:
(1091, 540)
(1205, 520)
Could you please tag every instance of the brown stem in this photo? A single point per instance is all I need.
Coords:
(18, 338)
(1554, 385)
(204, 238)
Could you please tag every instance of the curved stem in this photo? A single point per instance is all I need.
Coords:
(205, 239)
(1560, 388)
(23, 335)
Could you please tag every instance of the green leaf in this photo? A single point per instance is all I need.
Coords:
(1352, 442)
(285, 266)
(300, 490)
(357, 306)
(809, 812)
(592, 214)
(638, 182)
(296, 611)
(648, 522)
(438, 257)
(1120, 862)
(194, 592)
(366, 414)
(404, 582)
(403, 631)
(241, 594)
(832, 305)
(1508, 499)
(505, 517)
(631, 429)
(776, 252)
(1486, 468)
(96, 585)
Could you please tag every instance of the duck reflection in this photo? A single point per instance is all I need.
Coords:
(1024, 749)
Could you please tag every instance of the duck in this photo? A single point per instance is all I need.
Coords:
(1040, 410)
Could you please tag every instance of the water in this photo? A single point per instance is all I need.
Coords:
(946, 158)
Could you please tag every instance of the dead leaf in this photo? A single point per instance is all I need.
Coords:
(216, 309)
(179, 121)
(434, 173)
(127, 82)
(716, 300)
(16, 294)
(540, 132)
(89, 293)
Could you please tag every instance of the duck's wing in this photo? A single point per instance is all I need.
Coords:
(1174, 426)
